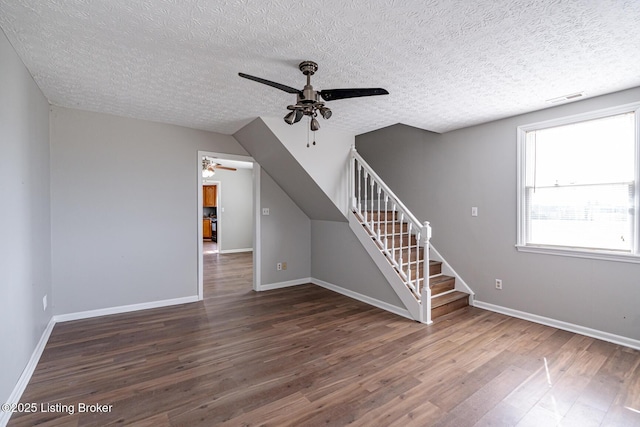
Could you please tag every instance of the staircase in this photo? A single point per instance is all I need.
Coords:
(400, 245)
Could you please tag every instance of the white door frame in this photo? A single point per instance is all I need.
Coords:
(256, 215)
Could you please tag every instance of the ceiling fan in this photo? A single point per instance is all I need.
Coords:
(209, 167)
(308, 100)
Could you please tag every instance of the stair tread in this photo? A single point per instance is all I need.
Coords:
(440, 300)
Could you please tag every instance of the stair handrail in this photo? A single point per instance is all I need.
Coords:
(422, 230)
(355, 155)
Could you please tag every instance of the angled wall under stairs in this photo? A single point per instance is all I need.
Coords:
(337, 259)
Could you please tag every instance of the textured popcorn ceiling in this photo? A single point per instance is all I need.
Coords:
(447, 64)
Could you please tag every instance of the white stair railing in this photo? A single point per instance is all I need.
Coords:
(396, 231)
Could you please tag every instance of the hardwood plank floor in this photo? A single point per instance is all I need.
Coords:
(305, 356)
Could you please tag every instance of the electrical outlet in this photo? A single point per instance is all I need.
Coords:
(474, 211)
(44, 303)
(279, 266)
(284, 265)
(498, 283)
(265, 211)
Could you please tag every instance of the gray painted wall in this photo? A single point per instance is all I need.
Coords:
(121, 232)
(25, 227)
(440, 177)
(285, 235)
(236, 222)
(338, 257)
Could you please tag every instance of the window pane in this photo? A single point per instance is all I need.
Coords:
(595, 151)
(580, 184)
(593, 216)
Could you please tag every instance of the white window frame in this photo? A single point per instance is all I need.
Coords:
(521, 245)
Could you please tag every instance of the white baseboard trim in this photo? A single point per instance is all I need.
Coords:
(24, 379)
(364, 298)
(123, 309)
(582, 330)
(279, 285)
(235, 251)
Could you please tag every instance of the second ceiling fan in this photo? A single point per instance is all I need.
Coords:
(308, 100)
(209, 167)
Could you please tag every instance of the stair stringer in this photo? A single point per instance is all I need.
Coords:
(460, 284)
(406, 296)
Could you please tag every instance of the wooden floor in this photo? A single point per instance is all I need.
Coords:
(305, 356)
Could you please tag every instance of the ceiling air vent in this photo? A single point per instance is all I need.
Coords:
(563, 98)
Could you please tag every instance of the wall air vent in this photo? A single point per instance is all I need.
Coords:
(563, 98)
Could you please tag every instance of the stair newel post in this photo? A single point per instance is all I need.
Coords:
(418, 276)
(393, 235)
(352, 178)
(372, 184)
(359, 196)
(409, 230)
(379, 220)
(401, 234)
(426, 289)
(426, 304)
(386, 226)
(365, 177)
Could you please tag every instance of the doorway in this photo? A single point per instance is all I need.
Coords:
(228, 203)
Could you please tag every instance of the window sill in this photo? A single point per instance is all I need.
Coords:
(581, 253)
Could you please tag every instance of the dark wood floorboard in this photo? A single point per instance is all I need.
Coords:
(305, 356)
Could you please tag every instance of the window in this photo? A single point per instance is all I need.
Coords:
(577, 185)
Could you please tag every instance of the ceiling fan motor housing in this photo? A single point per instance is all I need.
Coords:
(308, 68)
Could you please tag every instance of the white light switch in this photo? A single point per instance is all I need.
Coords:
(474, 211)
(265, 211)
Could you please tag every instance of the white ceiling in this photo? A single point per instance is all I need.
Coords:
(446, 63)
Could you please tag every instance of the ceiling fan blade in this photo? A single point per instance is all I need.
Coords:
(333, 94)
(285, 88)
(226, 167)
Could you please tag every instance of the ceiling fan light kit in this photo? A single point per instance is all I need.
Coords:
(209, 167)
(308, 101)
